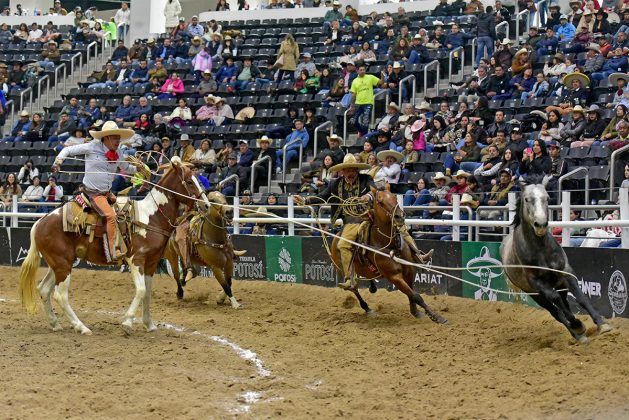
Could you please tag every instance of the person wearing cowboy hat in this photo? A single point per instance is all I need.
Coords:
(616, 64)
(224, 111)
(573, 129)
(21, 127)
(461, 185)
(621, 95)
(593, 128)
(574, 92)
(566, 30)
(349, 184)
(207, 111)
(394, 80)
(594, 60)
(245, 74)
(207, 84)
(533, 37)
(262, 169)
(333, 149)
(101, 167)
(387, 123)
(390, 169)
(186, 149)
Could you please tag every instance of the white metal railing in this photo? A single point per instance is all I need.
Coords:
(316, 136)
(501, 24)
(12, 113)
(571, 175)
(91, 45)
(39, 89)
(451, 58)
(612, 169)
(377, 96)
(285, 161)
(345, 125)
(456, 222)
(229, 178)
(413, 92)
(73, 66)
(433, 63)
(253, 171)
(58, 68)
(23, 92)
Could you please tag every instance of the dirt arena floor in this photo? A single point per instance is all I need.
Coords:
(316, 356)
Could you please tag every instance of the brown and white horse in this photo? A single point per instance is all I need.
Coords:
(153, 224)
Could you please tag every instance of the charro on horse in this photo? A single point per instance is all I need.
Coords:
(203, 240)
(386, 233)
(68, 233)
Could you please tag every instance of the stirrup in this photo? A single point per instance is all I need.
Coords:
(348, 284)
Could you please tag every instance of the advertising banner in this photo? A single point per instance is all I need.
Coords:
(481, 261)
(434, 281)
(603, 283)
(20, 243)
(283, 259)
(318, 268)
(5, 247)
(252, 265)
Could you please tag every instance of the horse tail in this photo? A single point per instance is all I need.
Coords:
(239, 253)
(27, 289)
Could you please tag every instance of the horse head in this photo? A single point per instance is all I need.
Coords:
(533, 205)
(218, 205)
(387, 208)
(181, 183)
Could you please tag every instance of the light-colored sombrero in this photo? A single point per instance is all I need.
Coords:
(335, 137)
(467, 199)
(349, 161)
(263, 139)
(110, 128)
(568, 78)
(614, 77)
(384, 154)
(425, 106)
(245, 113)
(210, 99)
(540, 114)
(438, 176)
(578, 108)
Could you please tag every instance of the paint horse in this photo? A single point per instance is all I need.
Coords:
(384, 236)
(208, 245)
(531, 244)
(152, 225)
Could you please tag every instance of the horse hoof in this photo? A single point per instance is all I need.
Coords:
(437, 318)
(418, 315)
(582, 339)
(150, 327)
(603, 328)
(84, 330)
(57, 327)
(180, 294)
(127, 328)
(220, 298)
(371, 313)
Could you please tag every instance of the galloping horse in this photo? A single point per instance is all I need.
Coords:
(211, 247)
(531, 244)
(153, 224)
(384, 236)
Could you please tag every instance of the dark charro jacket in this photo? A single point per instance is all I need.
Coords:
(337, 188)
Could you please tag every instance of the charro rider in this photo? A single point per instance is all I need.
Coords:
(101, 163)
(351, 184)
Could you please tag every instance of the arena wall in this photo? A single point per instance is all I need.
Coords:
(474, 270)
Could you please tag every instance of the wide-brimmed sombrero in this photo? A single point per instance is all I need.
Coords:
(349, 161)
(384, 154)
(246, 113)
(614, 77)
(110, 128)
(540, 114)
(484, 263)
(568, 78)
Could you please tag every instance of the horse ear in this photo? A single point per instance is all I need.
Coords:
(546, 179)
(523, 184)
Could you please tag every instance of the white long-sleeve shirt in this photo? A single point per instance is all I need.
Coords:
(390, 174)
(99, 173)
(33, 193)
(122, 17)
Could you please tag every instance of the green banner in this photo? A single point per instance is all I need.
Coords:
(483, 267)
(283, 259)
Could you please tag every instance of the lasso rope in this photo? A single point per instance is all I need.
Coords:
(430, 268)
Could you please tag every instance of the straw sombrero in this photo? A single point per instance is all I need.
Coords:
(110, 128)
(384, 154)
(461, 173)
(614, 77)
(349, 161)
(568, 78)
(246, 113)
(578, 108)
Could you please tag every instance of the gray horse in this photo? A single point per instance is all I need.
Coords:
(531, 244)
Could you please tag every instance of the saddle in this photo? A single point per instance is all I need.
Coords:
(364, 235)
(79, 217)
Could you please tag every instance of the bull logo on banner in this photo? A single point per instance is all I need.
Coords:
(617, 292)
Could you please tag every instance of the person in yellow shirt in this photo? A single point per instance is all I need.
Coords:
(363, 98)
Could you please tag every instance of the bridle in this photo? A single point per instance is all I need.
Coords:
(170, 195)
(390, 214)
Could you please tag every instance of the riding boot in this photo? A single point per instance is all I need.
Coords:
(350, 282)
(422, 258)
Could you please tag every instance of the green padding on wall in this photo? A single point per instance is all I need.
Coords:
(283, 259)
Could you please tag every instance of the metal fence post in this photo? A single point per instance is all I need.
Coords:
(456, 215)
(291, 216)
(623, 200)
(565, 217)
(236, 215)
